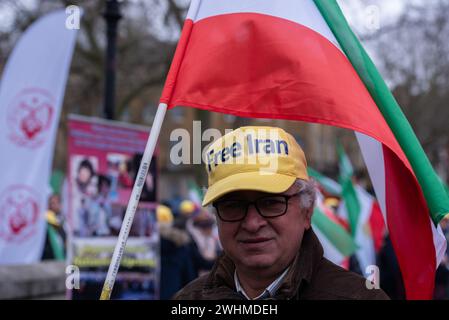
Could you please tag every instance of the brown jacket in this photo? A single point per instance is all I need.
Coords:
(312, 277)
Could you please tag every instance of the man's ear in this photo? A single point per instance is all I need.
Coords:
(308, 218)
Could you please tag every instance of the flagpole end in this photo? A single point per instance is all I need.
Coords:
(105, 293)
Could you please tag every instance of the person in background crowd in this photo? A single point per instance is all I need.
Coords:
(54, 247)
(188, 213)
(390, 274)
(176, 264)
(201, 228)
(442, 276)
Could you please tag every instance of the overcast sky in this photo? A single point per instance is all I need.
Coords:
(362, 17)
(365, 18)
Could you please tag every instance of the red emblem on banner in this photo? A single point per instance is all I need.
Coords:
(29, 117)
(19, 213)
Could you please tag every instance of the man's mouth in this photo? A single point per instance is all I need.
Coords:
(255, 240)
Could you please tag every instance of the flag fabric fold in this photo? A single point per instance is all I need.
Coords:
(329, 185)
(351, 200)
(293, 60)
(433, 190)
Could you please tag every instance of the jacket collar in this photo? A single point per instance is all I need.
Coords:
(220, 283)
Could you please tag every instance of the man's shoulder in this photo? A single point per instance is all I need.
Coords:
(333, 282)
(193, 290)
(206, 287)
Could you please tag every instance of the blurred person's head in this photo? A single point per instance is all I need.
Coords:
(54, 203)
(204, 221)
(85, 172)
(188, 208)
(263, 199)
(332, 202)
(164, 215)
(444, 223)
(104, 185)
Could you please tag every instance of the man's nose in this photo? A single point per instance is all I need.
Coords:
(253, 220)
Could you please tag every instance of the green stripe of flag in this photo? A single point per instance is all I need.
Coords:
(348, 192)
(56, 243)
(328, 184)
(335, 233)
(345, 165)
(436, 197)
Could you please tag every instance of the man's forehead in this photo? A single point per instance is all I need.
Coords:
(245, 194)
(252, 194)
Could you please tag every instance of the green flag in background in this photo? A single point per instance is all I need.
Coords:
(348, 192)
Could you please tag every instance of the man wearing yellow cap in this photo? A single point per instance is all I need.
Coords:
(263, 199)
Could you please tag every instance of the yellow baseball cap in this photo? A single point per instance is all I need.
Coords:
(164, 214)
(265, 159)
(187, 207)
(331, 202)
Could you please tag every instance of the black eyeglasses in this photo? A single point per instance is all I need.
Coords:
(267, 207)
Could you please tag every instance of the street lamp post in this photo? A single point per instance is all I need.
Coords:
(112, 16)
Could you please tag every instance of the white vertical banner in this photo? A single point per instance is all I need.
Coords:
(31, 94)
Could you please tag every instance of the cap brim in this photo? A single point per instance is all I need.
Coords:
(254, 181)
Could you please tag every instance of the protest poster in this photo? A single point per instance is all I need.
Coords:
(103, 159)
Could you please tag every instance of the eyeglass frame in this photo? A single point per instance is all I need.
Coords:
(248, 203)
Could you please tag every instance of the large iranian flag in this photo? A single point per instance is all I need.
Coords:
(299, 60)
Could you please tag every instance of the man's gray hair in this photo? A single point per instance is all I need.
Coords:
(308, 192)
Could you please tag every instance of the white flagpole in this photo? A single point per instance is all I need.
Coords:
(133, 202)
(141, 175)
